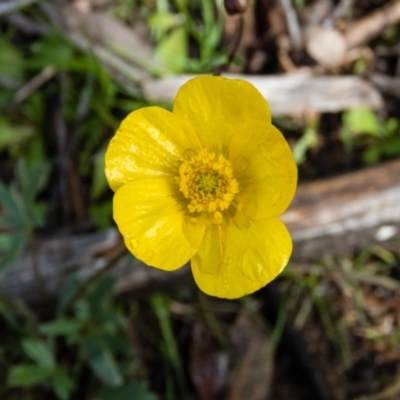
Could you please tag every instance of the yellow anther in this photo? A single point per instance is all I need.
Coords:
(218, 217)
(212, 206)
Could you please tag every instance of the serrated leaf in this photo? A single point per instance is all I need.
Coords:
(40, 352)
(28, 375)
(134, 390)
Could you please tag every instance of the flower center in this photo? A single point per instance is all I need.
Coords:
(208, 183)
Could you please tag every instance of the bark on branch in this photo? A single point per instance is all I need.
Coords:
(331, 216)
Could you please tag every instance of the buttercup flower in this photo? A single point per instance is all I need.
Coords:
(207, 183)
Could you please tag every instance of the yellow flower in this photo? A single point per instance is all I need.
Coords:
(207, 183)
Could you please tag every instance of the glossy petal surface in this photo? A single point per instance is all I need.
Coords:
(151, 221)
(230, 116)
(232, 262)
(268, 178)
(148, 143)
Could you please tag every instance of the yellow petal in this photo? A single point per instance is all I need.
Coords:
(223, 113)
(232, 263)
(150, 218)
(267, 179)
(147, 144)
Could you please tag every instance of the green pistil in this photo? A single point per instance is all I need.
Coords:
(208, 182)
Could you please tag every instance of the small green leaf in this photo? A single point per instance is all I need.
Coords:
(172, 50)
(12, 63)
(52, 50)
(12, 246)
(372, 155)
(102, 291)
(362, 120)
(62, 384)
(31, 178)
(38, 213)
(13, 135)
(306, 142)
(134, 390)
(28, 375)
(69, 290)
(40, 352)
(391, 146)
(61, 327)
(160, 22)
(8, 200)
(103, 364)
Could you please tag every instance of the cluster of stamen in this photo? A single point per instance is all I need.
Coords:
(208, 183)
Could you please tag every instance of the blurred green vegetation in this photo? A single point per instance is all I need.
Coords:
(89, 349)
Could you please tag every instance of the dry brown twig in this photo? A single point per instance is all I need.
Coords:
(327, 217)
(330, 47)
(289, 94)
(34, 84)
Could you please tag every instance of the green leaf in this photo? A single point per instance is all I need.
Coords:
(40, 352)
(103, 364)
(38, 213)
(134, 390)
(172, 50)
(8, 200)
(52, 50)
(61, 327)
(13, 135)
(362, 120)
(100, 294)
(62, 384)
(306, 142)
(11, 61)
(372, 155)
(69, 290)
(160, 22)
(14, 244)
(391, 146)
(28, 375)
(31, 178)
